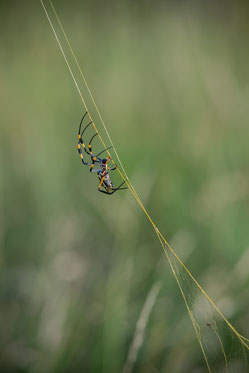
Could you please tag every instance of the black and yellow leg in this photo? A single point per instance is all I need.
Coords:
(80, 135)
(94, 159)
(101, 182)
(81, 155)
(81, 142)
(89, 145)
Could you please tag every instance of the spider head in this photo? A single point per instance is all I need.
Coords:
(106, 160)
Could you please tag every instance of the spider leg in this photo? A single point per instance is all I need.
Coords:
(82, 119)
(94, 158)
(90, 146)
(104, 151)
(119, 188)
(80, 135)
(101, 182)
(113, 190)
(103, 191)
(81, 142)
(81, 156)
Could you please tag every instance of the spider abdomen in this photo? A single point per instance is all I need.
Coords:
(108, 181)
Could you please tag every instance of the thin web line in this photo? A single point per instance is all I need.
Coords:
(161, 238)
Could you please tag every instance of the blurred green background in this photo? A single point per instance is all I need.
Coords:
(172, 83)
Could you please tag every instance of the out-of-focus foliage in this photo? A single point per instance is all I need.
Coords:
(172, 83)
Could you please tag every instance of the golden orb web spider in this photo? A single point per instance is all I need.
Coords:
(102, 170)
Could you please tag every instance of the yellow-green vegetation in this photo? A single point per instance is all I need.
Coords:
(77, 267)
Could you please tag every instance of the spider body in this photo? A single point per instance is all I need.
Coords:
(105, 184)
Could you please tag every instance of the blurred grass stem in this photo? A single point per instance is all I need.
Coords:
(142, 322)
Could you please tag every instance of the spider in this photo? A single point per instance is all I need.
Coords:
(102, 170)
